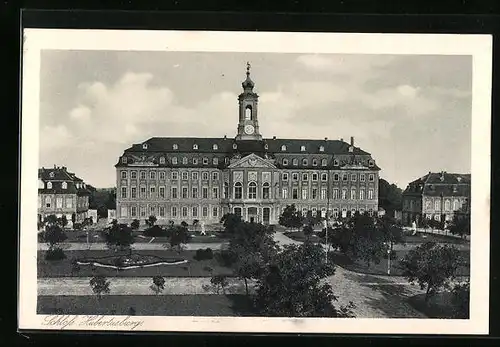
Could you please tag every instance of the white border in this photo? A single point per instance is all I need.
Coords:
(479, 46)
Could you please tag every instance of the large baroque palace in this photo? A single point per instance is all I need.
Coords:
(187, 178)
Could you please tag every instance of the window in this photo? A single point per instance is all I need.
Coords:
(295, 193)
(456, 205)
(362, 177)
(133, 211)
(204, 211)
(215, 147)
(152, 175)
(184, 211)
(285, 162)
(69, 202)
(314, 194)
(371, 177)
(324, 177)
(335, 213)
(215, 212)
(145, 146)
(152, 191)
(345, 177)
(184, 160)
(174, 146)
(185, 175)
(361, 194)
(161, 211)
(315, 162)
(124, 174)
(284, 176)
(324, 162)
(238, 190)
(143, 175)
(175, 175)
(162, 160)
(162, 175)
(335, 177)
(215, 176)
(215, 161)
(283, 148)
(174, 211)
(174, 192)
(204, 192)
(302, 148)
(184, 192)
(266, 146)
(304, 162)
(336, 162)
(133, 175)
(194, 192)
(133, 193)
(371, 163)
(47, 201)
(295, 176)
(447, 205)
(304, 211)
(437, 205)
(49, 185)
(174, 160)
(124, 160)
(123, 211)
(215, 192)
(323, 193)
(284, 193)
(143, 192)
(265, 191)
(194, 175)
(64, 185)
(143, 211)
(304, 193)
(295, 162)
(370, 194)
(59, 202)
(226, 190)
(314, 211)
(335, 193)
(321, 148)
(195, 146)
(162, 192)
(315, 176)
(252, 190)
(205, 161)
(344, 193)
(353, 177)
(195, 161)
(124, 192)
(353, 194)
(195, 211)
(305, 177)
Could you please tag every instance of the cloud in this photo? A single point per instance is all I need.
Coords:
(54, 137)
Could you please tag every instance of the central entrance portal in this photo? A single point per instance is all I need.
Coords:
(252, 214)
(265, 215)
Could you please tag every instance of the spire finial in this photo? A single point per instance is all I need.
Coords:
(248, 68)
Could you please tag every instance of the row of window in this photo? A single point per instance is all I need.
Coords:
(142, 193)
(324, 177)
(174, 175)
(59, 202)
(337, 194)
(175, 211)
(437, 204)
(64, 185)
(215, 147)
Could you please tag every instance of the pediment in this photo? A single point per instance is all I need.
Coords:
(251, 161)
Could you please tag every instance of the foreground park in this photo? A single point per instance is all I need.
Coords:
(248, 269)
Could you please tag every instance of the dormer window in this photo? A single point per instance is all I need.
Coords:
(315, 162)
(235, 146)
(351, 149)
(215, 147)
(285, 162)
(323, 162)
(215, 161)
(302, 148)
(124, 160)
(51, 174)
(162, 160)
(205, 161)
(321, 148)
(283, 148)
(335, 162)
(304, 162)
(455, 189)
(184, 160)
(266, 146)
(174, 160)
(144, 146)
(195, 146)
(195, 161)
(371, 163)
(49, 185)
(295, 162)
(174, 146)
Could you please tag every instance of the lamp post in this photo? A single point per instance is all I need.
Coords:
(387, 244)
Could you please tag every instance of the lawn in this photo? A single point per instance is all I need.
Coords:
(381, 268)
(147, 305)
(194, 268)
(299, 236)
(438, 306)
(424, 237)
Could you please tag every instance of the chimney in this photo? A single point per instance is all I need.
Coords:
(341, 139)
(225, 137)
(352, 141)
(326, 138)
(274, 137)
(55, 167)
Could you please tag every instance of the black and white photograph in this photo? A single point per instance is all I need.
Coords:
(255, 182)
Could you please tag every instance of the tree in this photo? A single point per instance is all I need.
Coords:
(63, 221)
(389, 196)
(158, 284)
(308, 231)
(391, 230)
(291, 284)
(460, 225)
(178, 236)
(53, 235)
(431, 265)
(291, 218)
(219, 282)
(184, 224)
(151, 221)
(135, 224)
(461, 300)
(99, 285)
(231, 222)
(119, 237)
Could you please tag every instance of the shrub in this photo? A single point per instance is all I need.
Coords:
(225, 257)
(77, 226)
(55, 254)
(204, 254)
(461, 300)
(155, 231)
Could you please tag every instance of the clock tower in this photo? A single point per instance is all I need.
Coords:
(248, 125)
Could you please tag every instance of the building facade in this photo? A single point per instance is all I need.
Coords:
(188, 178)
(61, 192)
(437, 196)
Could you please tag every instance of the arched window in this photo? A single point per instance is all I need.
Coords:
(344, 193)
(302, 148)
(315, 162)
(174, 160)
(361, 194)
(321, 148)
(353, 193)
(456, 205)
(265, 191)
(285, 161)
(295, 162)
(283, 148)
(162, 160)
(336, 162)
(184, 160)
(195, 146)
(226, 190)
(238, 190)
(145, 146)
(174, 146)
(47, 201)
(447, 205)
(64, 185)
(195, 161)
(49, 185)
(215, 147)
(215, 161)
(248, 113)
(437, 205)
(304, 162)
(235, 146)
(323, 162)
(205, 161)
(252, 190)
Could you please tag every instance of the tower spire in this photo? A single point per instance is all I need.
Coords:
(248, 69)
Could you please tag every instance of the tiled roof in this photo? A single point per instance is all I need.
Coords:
(440, 183)
(57, 176)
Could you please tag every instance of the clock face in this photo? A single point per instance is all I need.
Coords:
(249, 129)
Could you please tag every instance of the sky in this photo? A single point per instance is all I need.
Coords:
(411, 112)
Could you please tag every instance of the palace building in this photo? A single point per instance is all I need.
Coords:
(438, 196)
(188, 178)
(61, 192)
